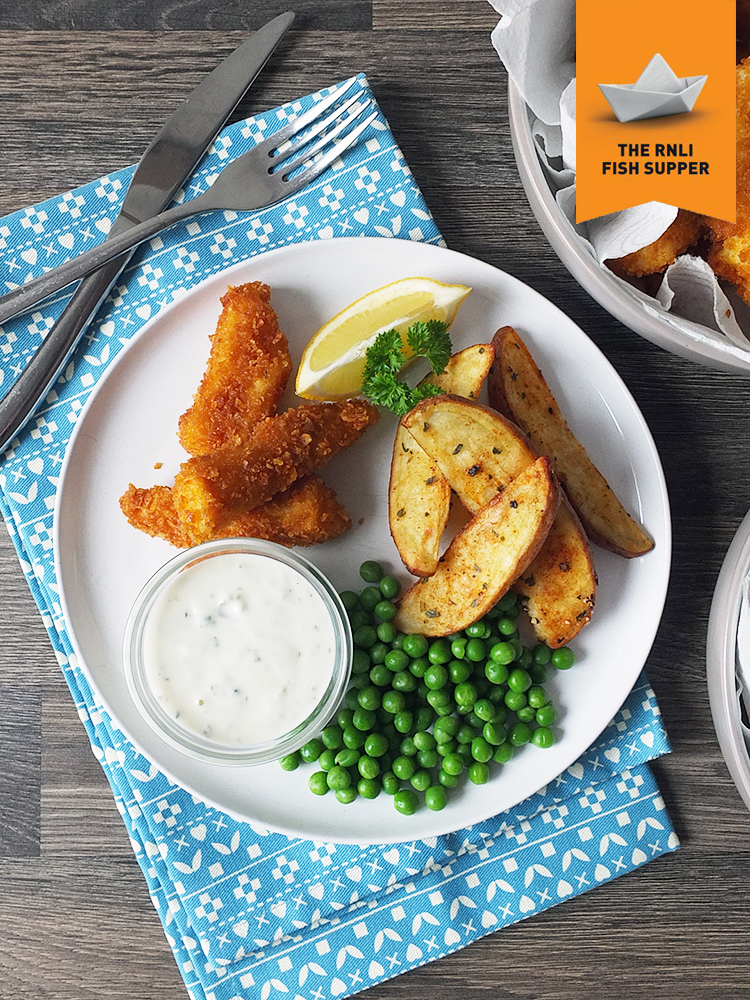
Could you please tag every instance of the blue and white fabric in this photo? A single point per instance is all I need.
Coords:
(251, 914)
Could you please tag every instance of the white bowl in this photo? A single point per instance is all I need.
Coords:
(696, 343)
(721, 659)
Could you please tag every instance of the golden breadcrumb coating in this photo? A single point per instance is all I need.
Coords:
(248, 369)
(685, 232)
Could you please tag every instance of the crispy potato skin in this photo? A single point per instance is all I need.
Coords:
(485, 557)
(684, 233)
(558, 590)
(418, 494)
(247, 371)
(560, 587)
(210, 490)
(517, 386)
(306, 514)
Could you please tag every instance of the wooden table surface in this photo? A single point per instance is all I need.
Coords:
(83, 87)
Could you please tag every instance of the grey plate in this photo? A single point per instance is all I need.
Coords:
(721, 652)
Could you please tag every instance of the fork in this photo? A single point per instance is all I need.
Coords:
(263, 176)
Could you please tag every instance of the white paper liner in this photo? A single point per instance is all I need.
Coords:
(743, 658)
(535, 40)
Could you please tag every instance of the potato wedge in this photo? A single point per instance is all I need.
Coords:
(419, 496)
(517, 387)
(558, 590)
(485, 557)
(479, 451)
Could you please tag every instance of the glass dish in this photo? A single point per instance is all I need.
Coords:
(189, 740)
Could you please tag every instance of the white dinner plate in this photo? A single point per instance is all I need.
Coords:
(127, 434)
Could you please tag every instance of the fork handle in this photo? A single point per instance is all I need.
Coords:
(49, 359)
(28, 295)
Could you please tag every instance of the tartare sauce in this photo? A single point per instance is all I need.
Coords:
(239, 648)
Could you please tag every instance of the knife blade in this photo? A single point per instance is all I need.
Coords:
(166, 164)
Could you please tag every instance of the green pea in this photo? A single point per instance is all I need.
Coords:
(403, 721)
(346, 795)
(404, 680)
(427, 758)
(290, 761)
(453, 763)
(543, 737)
(538, 672)
(395, 660)
(503, 753)
(385, 611)
(519, 680)
(443, 749)
(525, 660)
(363, 719)
(386, 633)
(398, 640)
(476, 630)
(381, 676)
(496, 673)
(424, 741)
(436, 677)
(359, 617)
(481, 750)
(369, 699)
(479, 772)
(310, 752)
(404, 767)
(369, 598)
(406, 801)
(541, 654)
(466, 694)
(448, 780)
(515, 700)
(338, 777)
(369, 788)
(503, 652)
(390, 783)
(537, 696)
(318, 783)
(361, 661)
(354, 738)
(460, 670)
(368, 767)
(494, 734)
(526, 714)
(519, 734)
(476, 650)
(371, 571)
(436, 798)
(378, 652)
(349, 599)
(458, 647)
(424, 717)
(419, 666)
(376, 745)
(390, 587)
(506, 626)
(327, 759)
(438, 699)
(344, 717)
(546, 716)
(449, 725)
(358, 682)
(485, 709)
(365, 636)
(439, 651)
(563, 658)
(407, 747)
(394, 702)
(347, 757)
(415, 645)
(421, 780)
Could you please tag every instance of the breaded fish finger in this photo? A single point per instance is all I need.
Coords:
(210, 490)
(305, 514)
(685, 232)
(247, 371)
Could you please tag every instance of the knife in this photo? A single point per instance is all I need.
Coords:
(163, 168)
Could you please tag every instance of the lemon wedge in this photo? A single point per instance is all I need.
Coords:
(334, 359)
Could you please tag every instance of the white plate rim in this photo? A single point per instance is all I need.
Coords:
(354, 245)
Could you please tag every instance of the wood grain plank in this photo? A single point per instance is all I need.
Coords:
(180, 15)
(20, 770)
(431, 15)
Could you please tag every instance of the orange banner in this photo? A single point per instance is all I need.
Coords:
(655, 105)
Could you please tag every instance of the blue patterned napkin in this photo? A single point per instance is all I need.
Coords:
(247, 913)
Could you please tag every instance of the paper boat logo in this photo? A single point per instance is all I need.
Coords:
(657, 93)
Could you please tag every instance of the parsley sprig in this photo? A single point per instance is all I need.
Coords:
(385, 358)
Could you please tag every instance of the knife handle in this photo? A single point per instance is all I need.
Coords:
(48, 361)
